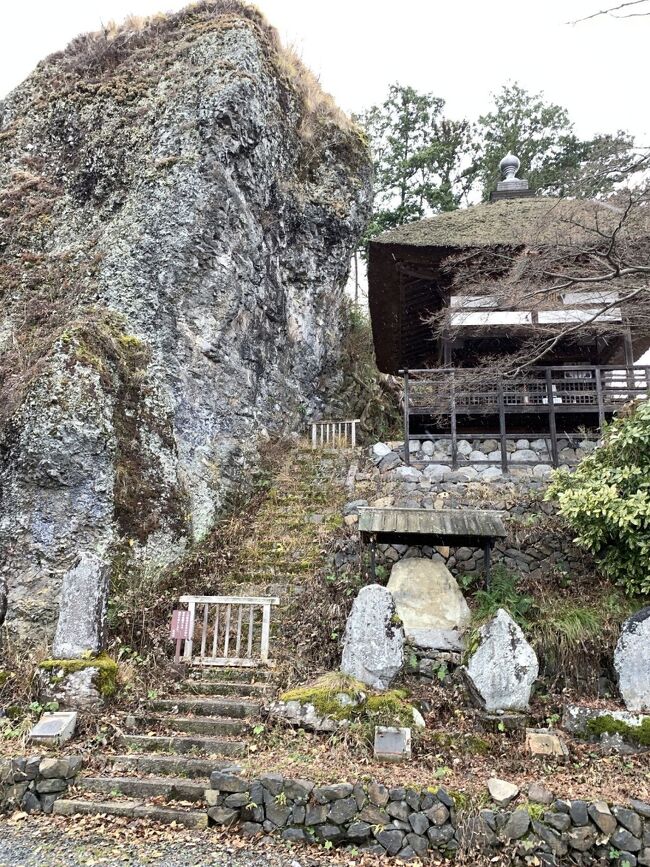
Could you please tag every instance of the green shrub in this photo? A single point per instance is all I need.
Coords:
(607, 500)
(503, 593)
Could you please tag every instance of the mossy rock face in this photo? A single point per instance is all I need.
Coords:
(344, 699)
(63, 683)
(606, 724)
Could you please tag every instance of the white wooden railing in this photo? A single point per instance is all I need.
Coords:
(229, 630)
(334, 434)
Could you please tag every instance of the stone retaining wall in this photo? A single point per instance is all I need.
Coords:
(537, 542)
(526, 457)
(410, 823)
(33, 784)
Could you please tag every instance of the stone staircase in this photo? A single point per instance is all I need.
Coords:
(173, 743)
(170, 749)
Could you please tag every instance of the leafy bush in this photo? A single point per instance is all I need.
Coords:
(607, 500)
(503, 593)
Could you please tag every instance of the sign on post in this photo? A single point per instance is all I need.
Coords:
(180, 630)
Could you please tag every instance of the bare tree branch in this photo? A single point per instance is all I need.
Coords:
(613, 9)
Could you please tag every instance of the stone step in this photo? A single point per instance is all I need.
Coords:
(183, 745)
(232, 687)
(132, 809)
(159, 765)
(170, 788)
(228, 675)
(232, 708)
(195, 725)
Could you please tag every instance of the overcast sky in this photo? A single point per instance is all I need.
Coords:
(459, 49)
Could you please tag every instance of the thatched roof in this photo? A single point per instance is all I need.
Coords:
(398, 307)
(511, 222)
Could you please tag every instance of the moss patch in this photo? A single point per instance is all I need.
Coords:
(609, 725)
(386, 708)
(107, 678)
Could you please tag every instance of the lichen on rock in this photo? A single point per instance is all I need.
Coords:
(179, 203)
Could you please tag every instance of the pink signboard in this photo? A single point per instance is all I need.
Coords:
(180, 630)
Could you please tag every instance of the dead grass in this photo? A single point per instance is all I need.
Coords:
(105, 49)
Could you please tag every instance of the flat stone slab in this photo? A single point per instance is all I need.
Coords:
(543, 742)
(392, 744)
(436, 639)
(576, 719)
(132, 809)
(54, 728)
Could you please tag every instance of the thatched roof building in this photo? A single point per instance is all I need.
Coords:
(407, 283)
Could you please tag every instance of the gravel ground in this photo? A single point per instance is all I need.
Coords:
(39, 842)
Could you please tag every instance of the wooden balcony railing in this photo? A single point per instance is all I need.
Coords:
(449, 393)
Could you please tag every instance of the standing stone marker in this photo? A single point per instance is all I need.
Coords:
(501, 673)
(632, 661)
(429, 603)
(82, 609)
(392, 744)
(373, 644)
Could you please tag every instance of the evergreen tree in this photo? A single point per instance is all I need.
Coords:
(553, 159)
(418, 156)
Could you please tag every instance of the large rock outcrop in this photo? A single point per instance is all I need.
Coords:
(179, 203)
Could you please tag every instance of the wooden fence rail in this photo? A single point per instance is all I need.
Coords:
(334, 434)
(230, 630)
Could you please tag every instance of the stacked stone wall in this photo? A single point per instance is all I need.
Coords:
(411, 823)
(33, 784)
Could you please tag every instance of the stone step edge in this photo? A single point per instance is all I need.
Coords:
(95, 783)
(210, 746)
(238, 684)
(221, 707)
(133, 809)
(203, 767)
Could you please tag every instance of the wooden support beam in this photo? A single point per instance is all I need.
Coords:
(407, 432)
(487, 551)
(551, 416)
(454, 439)
(599, 396)
(502, 427)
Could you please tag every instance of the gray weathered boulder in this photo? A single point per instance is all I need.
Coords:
(632, 661)
(82, 609)
(303, 714)
(429, 603)
(187, 202)
(373, 644)
(500, 674)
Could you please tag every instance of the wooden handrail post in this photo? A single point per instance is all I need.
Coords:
(407, 432)
(266, 630)
(599, 396)
(551, 417)
(502, 427)
(454, 439)
(187, 654)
